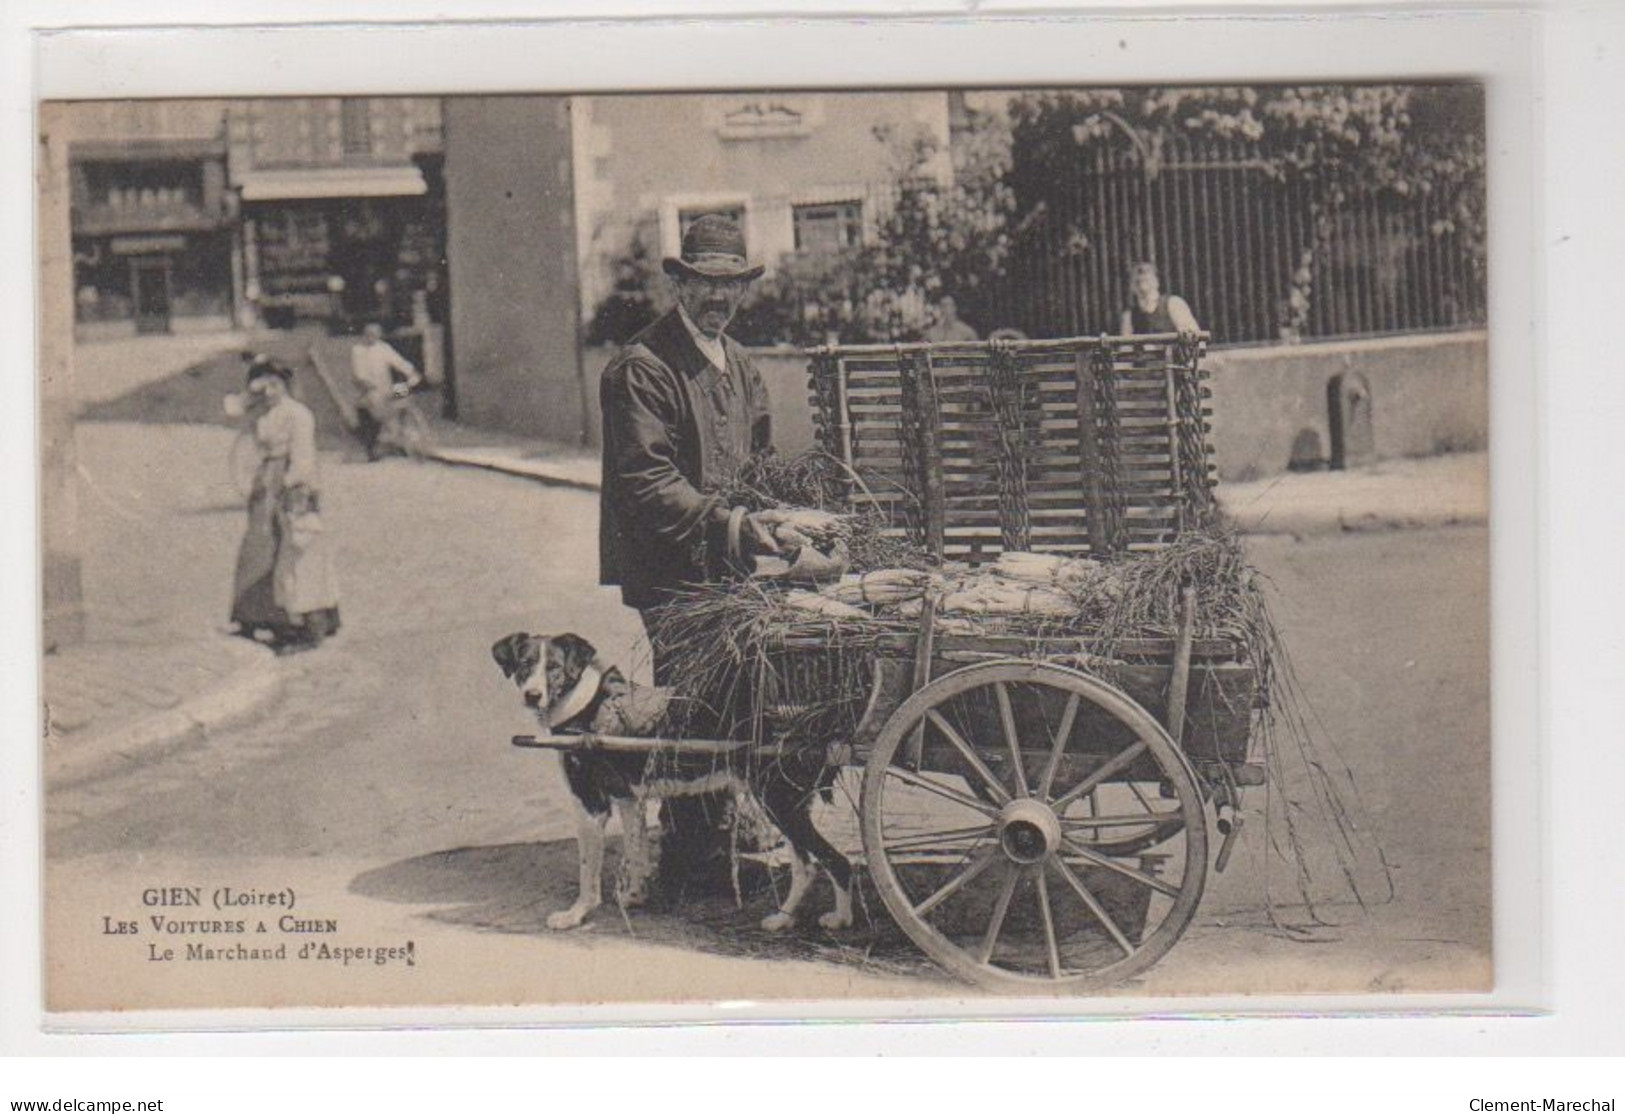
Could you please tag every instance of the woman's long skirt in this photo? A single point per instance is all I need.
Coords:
(284, 583)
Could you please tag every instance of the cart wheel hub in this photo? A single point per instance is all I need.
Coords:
(1029, 831)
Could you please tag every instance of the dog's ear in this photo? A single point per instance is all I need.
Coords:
(577, 652)
(509, 652)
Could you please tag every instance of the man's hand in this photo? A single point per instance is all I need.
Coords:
(756, 534)
(794, 528)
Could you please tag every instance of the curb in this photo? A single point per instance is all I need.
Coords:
(243, 696)
(1253, 520)
(519, 469)
(1300, 524)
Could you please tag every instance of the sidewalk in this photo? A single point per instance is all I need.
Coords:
(109, 705)
(556, 466)
(1405, 494)
(1410, 493)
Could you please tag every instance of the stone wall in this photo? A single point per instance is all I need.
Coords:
(1429, 394)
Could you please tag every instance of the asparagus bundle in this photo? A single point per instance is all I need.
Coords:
(1046, 569)
(993, 596)
(800, 527)
(811, 603)
(884, 587)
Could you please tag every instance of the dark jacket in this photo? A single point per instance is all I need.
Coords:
(674, 425)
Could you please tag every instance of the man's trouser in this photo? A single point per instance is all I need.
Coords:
(368, 427)
(696, 832)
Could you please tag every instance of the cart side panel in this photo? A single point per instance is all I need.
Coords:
(1218, 719)
(1219, 707)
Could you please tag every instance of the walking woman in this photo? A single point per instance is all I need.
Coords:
(285, 586)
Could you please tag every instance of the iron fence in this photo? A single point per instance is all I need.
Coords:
(1242, 248)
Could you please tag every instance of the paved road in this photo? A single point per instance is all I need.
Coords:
(434, 564)
(383, 791)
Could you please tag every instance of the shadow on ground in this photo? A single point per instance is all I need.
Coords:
(512, 888)
(195, 395)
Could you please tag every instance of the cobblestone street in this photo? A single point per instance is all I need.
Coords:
(435, 564)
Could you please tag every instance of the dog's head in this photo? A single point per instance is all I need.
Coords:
(545, 668)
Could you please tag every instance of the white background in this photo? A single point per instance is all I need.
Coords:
(1556, 412)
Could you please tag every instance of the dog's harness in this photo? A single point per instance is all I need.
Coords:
(579, 699)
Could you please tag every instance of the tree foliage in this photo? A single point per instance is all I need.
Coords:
(944, 229)
(637, 297)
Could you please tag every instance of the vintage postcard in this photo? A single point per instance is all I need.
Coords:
(898, 544)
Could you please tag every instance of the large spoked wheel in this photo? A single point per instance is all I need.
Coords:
(986, 838)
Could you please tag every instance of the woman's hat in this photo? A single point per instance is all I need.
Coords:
(260, 365)
(713, 247)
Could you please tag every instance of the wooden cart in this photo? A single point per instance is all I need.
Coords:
(1034, 816)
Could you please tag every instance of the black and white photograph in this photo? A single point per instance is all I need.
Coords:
(798, 544)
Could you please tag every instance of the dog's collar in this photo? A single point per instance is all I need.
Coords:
(579, 698)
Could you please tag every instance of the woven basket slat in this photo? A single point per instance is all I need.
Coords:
(1083, 446)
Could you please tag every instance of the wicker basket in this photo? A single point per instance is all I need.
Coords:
(1086, 446)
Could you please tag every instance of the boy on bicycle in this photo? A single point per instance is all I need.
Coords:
(373, 364)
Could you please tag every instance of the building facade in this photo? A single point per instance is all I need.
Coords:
(508, 218)
(342, 214)
(152, 215)
(801, 172)
(190, 215)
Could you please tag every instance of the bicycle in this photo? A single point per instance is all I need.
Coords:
(406, 427)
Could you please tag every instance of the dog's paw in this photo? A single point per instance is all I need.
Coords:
(835, 919)
(777, 922)
(566, 918)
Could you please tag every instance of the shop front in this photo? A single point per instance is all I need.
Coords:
(340, 248)
(152, 239)
(162, 283)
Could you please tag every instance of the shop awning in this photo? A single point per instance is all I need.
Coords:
(368, 181)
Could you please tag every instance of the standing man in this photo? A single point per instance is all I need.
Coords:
(1149, 310)
(683, 407)
(373, 364)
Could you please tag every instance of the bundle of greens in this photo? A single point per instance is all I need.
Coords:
(816, 481)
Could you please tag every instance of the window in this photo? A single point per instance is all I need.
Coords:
(686, 217)
(355, 125)
(828, 228)
(129, 186)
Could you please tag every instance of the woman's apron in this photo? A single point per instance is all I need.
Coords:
(284, 574)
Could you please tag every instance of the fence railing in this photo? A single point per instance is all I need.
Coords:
(1242, 248)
